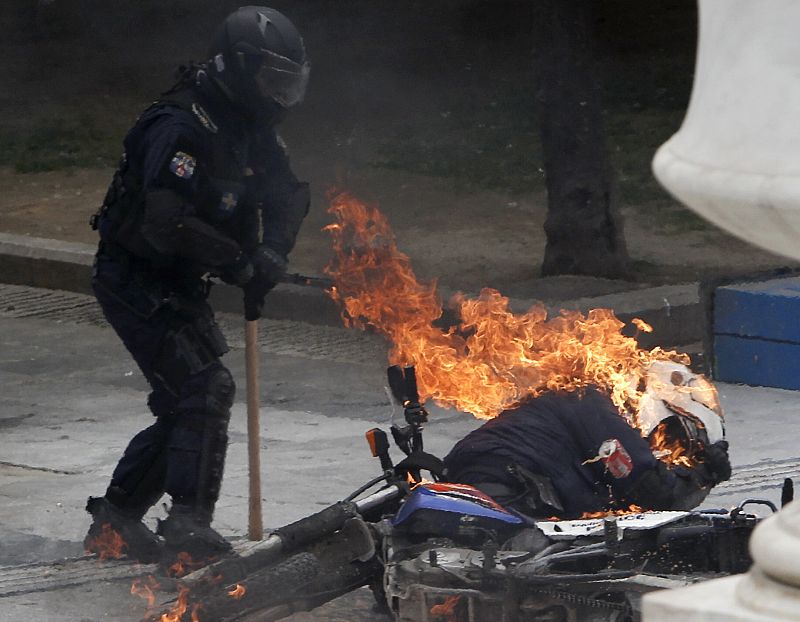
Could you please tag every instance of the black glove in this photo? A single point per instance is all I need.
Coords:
(253, 301)
(269, 265)
(240, 272)
(269, 268)
(715, 458)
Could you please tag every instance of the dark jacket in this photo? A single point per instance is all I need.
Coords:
(551, 438)
(198, 188)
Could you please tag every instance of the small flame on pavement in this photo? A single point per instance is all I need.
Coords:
(447, 609)
(108, 545)
(181, 606)
(238, 592)
(183, 565)
(144, 588)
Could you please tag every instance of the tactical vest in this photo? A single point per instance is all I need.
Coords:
(120, 216)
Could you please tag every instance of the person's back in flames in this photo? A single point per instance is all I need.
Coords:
(571, 454)
(581, 419)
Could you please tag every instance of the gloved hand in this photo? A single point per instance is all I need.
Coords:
(269, 265)
(254, 294)
(240, 272)
(715, 458)
(269, 268)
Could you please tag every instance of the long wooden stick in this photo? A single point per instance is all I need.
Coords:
(255, 524)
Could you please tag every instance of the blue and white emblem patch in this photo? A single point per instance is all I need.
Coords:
(182, 165)
(228, 202)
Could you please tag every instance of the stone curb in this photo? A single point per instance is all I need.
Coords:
(674, 311)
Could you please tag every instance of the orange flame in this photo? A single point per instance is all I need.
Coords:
(493, 359)
(632, 509)
(143, 588)
(108, 545)
(670, 450)
(238, 592)
(184, 564)
(181, 606)
(447, 609)
(413, 482)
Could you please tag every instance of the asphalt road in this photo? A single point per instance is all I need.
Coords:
(71, 400)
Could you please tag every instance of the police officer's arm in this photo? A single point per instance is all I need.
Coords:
(176, 191)
(172, 229)
(283, 200)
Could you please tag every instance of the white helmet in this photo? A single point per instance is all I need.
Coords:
(673, 390)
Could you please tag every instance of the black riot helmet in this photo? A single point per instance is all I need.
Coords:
(258, 59)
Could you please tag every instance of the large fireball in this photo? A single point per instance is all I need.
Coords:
(493, 358)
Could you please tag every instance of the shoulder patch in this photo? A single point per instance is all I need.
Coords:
(182, 165)
(228, 202)
(204, 118)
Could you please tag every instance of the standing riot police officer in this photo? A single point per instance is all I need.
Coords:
(204, 189)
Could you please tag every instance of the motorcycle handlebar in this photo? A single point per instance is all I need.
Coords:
(391, 492)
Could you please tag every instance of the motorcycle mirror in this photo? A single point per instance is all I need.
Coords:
(403, 383)
(397, 383)
(412, 395)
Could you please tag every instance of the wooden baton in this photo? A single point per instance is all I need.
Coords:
(255, 523)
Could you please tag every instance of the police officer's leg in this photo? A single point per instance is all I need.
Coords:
(195, 463)
(138, 480)
(188, 364)
(137, 484)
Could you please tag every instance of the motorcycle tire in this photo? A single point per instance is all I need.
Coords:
(265, 591)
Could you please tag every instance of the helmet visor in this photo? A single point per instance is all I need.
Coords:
(281, 79)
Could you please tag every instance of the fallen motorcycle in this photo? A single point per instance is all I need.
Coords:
(435, 551)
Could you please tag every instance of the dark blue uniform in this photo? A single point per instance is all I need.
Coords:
(197, 191)
(538, 457)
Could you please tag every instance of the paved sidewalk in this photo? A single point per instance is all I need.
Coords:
(71, 400)
(677, 312)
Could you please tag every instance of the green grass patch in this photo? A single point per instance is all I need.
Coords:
(478, 143)
(61, 143)
(493, 143)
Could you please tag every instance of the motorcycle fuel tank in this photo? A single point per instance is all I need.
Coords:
(445, 508)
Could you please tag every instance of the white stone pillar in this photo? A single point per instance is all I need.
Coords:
(736, 158)
(736, 162)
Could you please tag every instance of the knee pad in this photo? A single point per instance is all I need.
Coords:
(220, 392)
(191, 346)
(182, 355)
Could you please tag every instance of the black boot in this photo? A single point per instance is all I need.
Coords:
(116, 533)
(188, 530)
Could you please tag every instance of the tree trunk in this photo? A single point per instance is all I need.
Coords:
(584, 232)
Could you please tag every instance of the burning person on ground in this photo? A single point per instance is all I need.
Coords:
(574, 404)
(570, 454)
